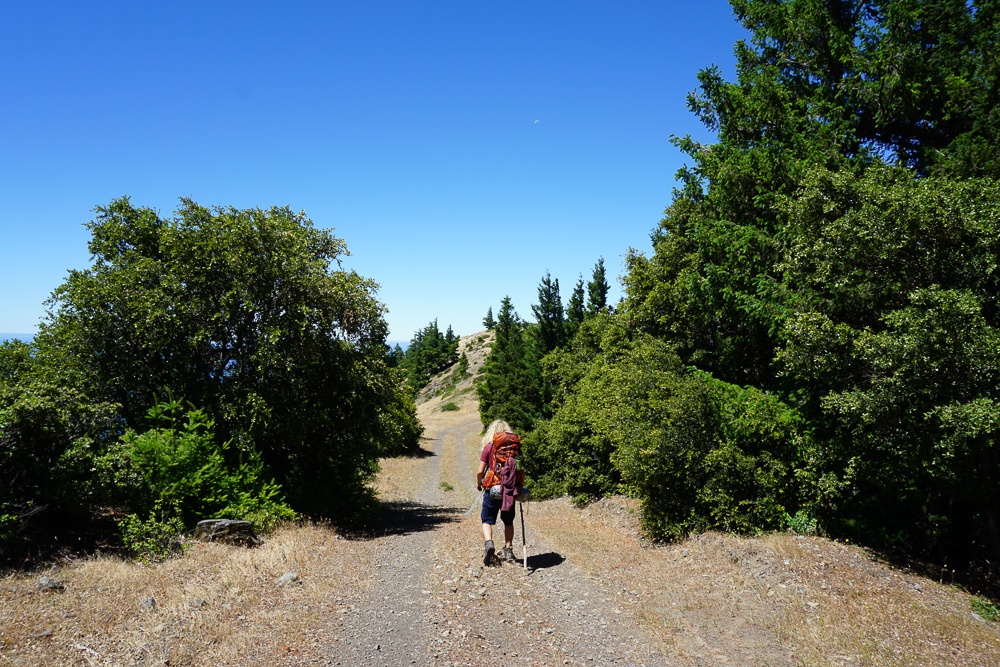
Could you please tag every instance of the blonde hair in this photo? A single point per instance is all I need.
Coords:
(497, 426)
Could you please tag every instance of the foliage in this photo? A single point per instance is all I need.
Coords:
(49, 431)
(398, 428)
(820, 85)
(177, 464)
(802, 523)
(986, 609)
(698, 452)
(549, 315)
(394, 356)
(793, 260)
(894, 347)
(575, 311)
(240, 312)
(597, 290)
(510, 388)
(429, 353)
(155, 538)
(488, 321)
(449, 407)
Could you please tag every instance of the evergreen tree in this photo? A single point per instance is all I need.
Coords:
(510, 386)
(549, 314)
(394, 356)
(429, 352)
(575, 310)
(488, 321)
(830, 85)
(791, 261)
(597, 290)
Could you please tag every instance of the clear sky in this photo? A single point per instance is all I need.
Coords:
(460, 148)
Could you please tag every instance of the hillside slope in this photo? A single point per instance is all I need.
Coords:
(452, 385)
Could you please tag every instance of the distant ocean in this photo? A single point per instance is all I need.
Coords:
(27, 337)
(9, 336)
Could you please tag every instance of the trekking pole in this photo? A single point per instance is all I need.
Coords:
(479, 498)
(524, 540)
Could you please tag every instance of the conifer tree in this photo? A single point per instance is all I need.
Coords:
(597, 290)
(575, 310)
(429, 352)
(488, 321)
(509, 389)
(549, 314)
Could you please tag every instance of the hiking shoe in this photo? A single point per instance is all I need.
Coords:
(490, 553)
(508, 554)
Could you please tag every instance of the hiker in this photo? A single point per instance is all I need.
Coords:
(499, 468)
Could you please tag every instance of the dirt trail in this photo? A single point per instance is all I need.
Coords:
(392, 625)
(432, 601)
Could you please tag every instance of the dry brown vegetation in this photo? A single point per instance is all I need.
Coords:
(830, 603)
(713, 599)
(216, 605)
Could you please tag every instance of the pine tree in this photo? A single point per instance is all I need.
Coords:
(575, 310)
(488, 321)
(429, 352)
(549, 314)
(597, 290)
(394, 356)
(510, 386)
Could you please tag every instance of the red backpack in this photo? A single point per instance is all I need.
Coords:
(505, 445)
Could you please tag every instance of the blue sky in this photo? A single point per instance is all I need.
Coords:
(462, 149)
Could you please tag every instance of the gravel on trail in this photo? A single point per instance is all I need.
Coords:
(432, 602)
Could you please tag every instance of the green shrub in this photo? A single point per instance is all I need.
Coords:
(50, 430)
(155, 538)
(179, 466)
(802, 523)
(449, 407)
(698, 452)
(986, 609)
(8, 525)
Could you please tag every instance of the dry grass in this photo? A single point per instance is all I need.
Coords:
(218, 605)
(828, 603)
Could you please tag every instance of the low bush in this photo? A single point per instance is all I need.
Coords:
(176, 469)
(155, 538)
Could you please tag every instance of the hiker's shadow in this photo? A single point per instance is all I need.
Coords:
(542, 561)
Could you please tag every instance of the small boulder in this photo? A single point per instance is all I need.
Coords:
(149, 604)
(47, 584)
(290, 579)
(226, 530)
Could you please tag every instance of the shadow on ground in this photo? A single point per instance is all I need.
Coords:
(403, 518)
(62, 535)
(542, 561)
(420, 452)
